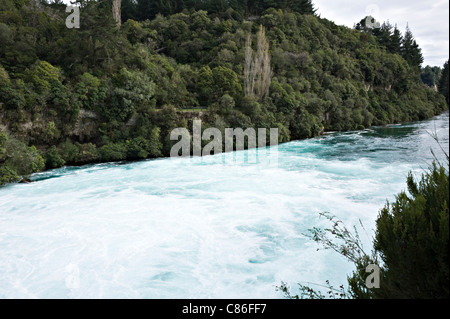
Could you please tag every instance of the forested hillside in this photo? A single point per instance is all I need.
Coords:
(106, 92)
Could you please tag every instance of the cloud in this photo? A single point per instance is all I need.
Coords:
(428, 20)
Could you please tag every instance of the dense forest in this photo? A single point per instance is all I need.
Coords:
(115, 88)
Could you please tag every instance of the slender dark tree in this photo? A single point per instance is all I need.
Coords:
(395, 42)
(443, 82)
(410, 49)
(384, 34)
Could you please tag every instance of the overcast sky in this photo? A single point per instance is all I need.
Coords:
(427, 19)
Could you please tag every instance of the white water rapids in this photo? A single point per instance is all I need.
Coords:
(202, 228)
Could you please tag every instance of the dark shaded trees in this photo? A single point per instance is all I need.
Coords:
(431, 76)
(101, 93)
(17, 160)
(412, 238)
(392, 40)
(410, 50)
(148, 9)
(443, 85)
(395, 43)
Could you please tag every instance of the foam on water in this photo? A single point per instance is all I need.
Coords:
(202, 227)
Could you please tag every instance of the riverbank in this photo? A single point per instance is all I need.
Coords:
(30, 179)
(199, 228)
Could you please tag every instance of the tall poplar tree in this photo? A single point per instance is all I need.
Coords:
(257, 69)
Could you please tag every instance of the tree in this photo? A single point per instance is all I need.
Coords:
(394, 45)
(17, 159)
(53, 159)
(150, 8)
(302, 6)
(257, 68)
(131, 91)
(205, 86)
(225, 81)
(116, 11)
(411, 244)
(42, 74)
(106, 87)
(384, 34)
(431, 75)
(412, 238)
(3, 139)
(410, 50)
(443, 82)
(129, 10)
(226, 104)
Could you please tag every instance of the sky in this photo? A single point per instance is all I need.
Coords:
(427, 19)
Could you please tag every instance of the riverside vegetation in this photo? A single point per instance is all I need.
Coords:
(411, 245)
(116, 87)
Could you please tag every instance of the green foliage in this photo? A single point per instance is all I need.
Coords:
(42, 75)
(410, 50)
(88, 153)
(113, 152)
(348, 244)
(100, 93)
(132, 90)
(53, 159)
(3, 139)
(431, 75)
(91, 92)
(225, 81)
(443, 85)
(411, 245)
(412, 239)
(69, 152)
(144, 9)
(307, 292)
(4, 77)
(17, 159)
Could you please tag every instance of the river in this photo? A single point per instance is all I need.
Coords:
(204, 227)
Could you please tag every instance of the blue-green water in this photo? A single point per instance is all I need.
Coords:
(203, 228)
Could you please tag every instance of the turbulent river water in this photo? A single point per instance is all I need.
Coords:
(204, 227)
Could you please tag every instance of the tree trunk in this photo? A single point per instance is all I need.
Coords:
(116, 11)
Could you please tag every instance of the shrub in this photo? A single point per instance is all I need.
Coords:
(53, 159)
(412, 239)
(411, 245)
